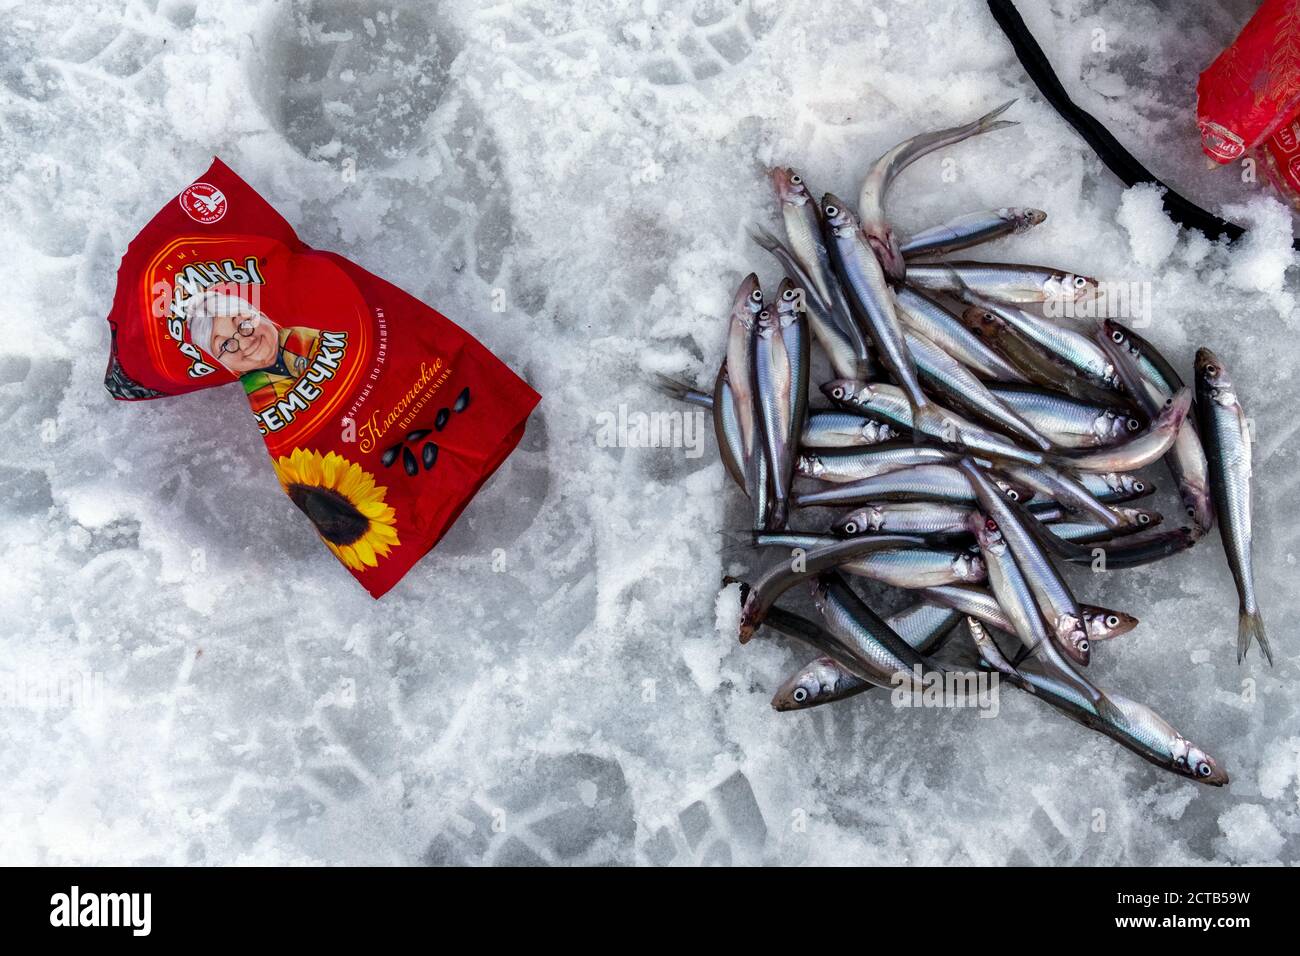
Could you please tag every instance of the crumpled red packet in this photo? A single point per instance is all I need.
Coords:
(381, 416)
(1282, 159)
(1253, 87)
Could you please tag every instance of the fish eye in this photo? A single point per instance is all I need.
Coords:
(1117, 336)
(1112, 620)
(1144, 519)
(1133, 424)
(1080, 282)
(756, 296)
(851, 527)
(789, 295)
(1191, 512)
(1204, 770)
(796, 180)
(799, 695)
(1083, 647)
(990, 524)
(1211, 370)
(1139, 486)
(837, 392)
(832, 211)
(1013, 494)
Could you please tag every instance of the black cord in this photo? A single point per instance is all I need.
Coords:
(1111, 152)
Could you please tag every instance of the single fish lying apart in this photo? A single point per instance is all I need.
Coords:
(973, 516)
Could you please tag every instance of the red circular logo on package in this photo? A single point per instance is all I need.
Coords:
(203, 202)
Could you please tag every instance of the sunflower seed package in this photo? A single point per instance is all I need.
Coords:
(381, 416)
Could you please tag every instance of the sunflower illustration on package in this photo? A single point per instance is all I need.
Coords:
(381, 416)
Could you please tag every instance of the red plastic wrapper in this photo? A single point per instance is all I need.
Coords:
(381, 416)
(1282, 152)
(1253, 87)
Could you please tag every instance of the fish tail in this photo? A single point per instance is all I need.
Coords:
(676, 388)
(990, 119)
(1251, 624)
(780, 514)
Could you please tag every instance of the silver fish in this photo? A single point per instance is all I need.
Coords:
(871, 198)
(836, 429)
(933, 482)
(919, 567)
(783, 575)
(1055, 600)
(1065, 489)
(1068, 346)
(1009, 586)
(902, 566)
(971, 229)
(1002, 281)
(922, 314)
(869, 290)
(1066, 421)
(880, 654)
(774, 382)
(824, 680)
(803, 229)
(1086, 532)
(845, 465)
(955, 379)
(741, 338)
(1041, 367)
(792, 317)
(726, 425)
(1140, 450)
(1130, 724)
(1226, 433)
(1150, 380)
(905, 517)
(887, 402)
(1102, 623)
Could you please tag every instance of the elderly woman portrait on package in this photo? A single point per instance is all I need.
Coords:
(268, 359)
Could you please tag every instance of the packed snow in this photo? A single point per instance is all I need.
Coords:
(189, 675)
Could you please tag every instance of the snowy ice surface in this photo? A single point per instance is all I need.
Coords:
(559, 682)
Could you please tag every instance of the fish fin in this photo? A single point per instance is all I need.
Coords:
(737, 539)
(930, 423)
(997, 111)
(998, 124)
(765, 239)
(1250, 624)
(673, 388)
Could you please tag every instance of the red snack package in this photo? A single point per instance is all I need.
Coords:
(382, 418)
(1282, 159)
(1254, 85)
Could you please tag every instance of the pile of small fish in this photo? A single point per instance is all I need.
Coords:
(971, 511)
